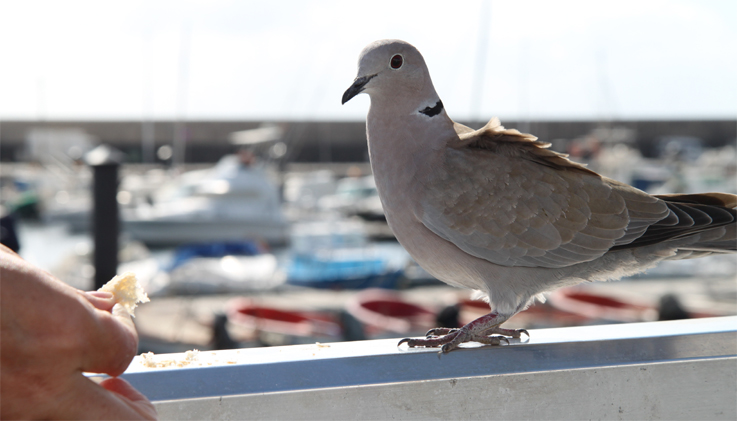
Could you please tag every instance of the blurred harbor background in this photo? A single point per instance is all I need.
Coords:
(247, 205)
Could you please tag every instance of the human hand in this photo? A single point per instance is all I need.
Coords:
(51, 333)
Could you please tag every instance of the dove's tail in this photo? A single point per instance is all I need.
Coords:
(709, 218)
(697, 225)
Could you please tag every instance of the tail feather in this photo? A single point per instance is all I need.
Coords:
(694, 214)
(725, 200)
(723, 240)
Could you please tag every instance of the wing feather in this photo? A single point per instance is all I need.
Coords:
(502, 196)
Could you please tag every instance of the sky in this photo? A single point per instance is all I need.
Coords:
(281, 60)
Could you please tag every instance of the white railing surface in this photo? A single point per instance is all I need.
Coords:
(661, 370)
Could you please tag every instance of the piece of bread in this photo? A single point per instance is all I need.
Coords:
(126, 291)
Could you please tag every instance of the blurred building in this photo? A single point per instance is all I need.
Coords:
(309, 141)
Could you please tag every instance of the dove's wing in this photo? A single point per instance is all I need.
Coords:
(503, 197)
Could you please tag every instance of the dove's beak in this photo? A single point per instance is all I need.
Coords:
(356, 88)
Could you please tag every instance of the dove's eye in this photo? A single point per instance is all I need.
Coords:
(396, 61)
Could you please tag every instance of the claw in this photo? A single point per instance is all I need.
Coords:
(405, 340)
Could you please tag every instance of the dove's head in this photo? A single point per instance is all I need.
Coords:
(391, 69)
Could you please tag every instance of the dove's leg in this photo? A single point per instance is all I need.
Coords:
(478, 330)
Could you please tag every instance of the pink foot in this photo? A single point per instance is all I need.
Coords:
(479, 330)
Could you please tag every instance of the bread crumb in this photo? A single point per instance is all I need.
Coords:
(147, 359)
(191, 355)
(126, 291)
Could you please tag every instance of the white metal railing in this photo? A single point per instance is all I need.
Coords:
(668, 370)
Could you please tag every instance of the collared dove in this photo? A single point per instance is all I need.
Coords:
(495, 211)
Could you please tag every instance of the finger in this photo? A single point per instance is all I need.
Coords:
(112, 344)
(123, 388)
(88, 400)
(126, 391)
(101, 300)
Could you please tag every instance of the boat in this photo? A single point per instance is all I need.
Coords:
(302, 191)
(355, 196)
(246, 313)
(601, 307)
(339, 271)
(386, 311)
(187, 252)
(210, 268)
(226, 275)
(231, 201)
(336, 255)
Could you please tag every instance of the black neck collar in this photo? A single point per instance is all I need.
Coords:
(433, 111)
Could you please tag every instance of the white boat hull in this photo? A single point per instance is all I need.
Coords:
(172, 232)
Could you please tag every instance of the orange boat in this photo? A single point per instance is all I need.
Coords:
(386, 311)
(246, 313)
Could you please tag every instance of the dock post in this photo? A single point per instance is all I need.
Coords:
(105, 162)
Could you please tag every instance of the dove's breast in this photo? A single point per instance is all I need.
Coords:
(400, 164)
(439, 257)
